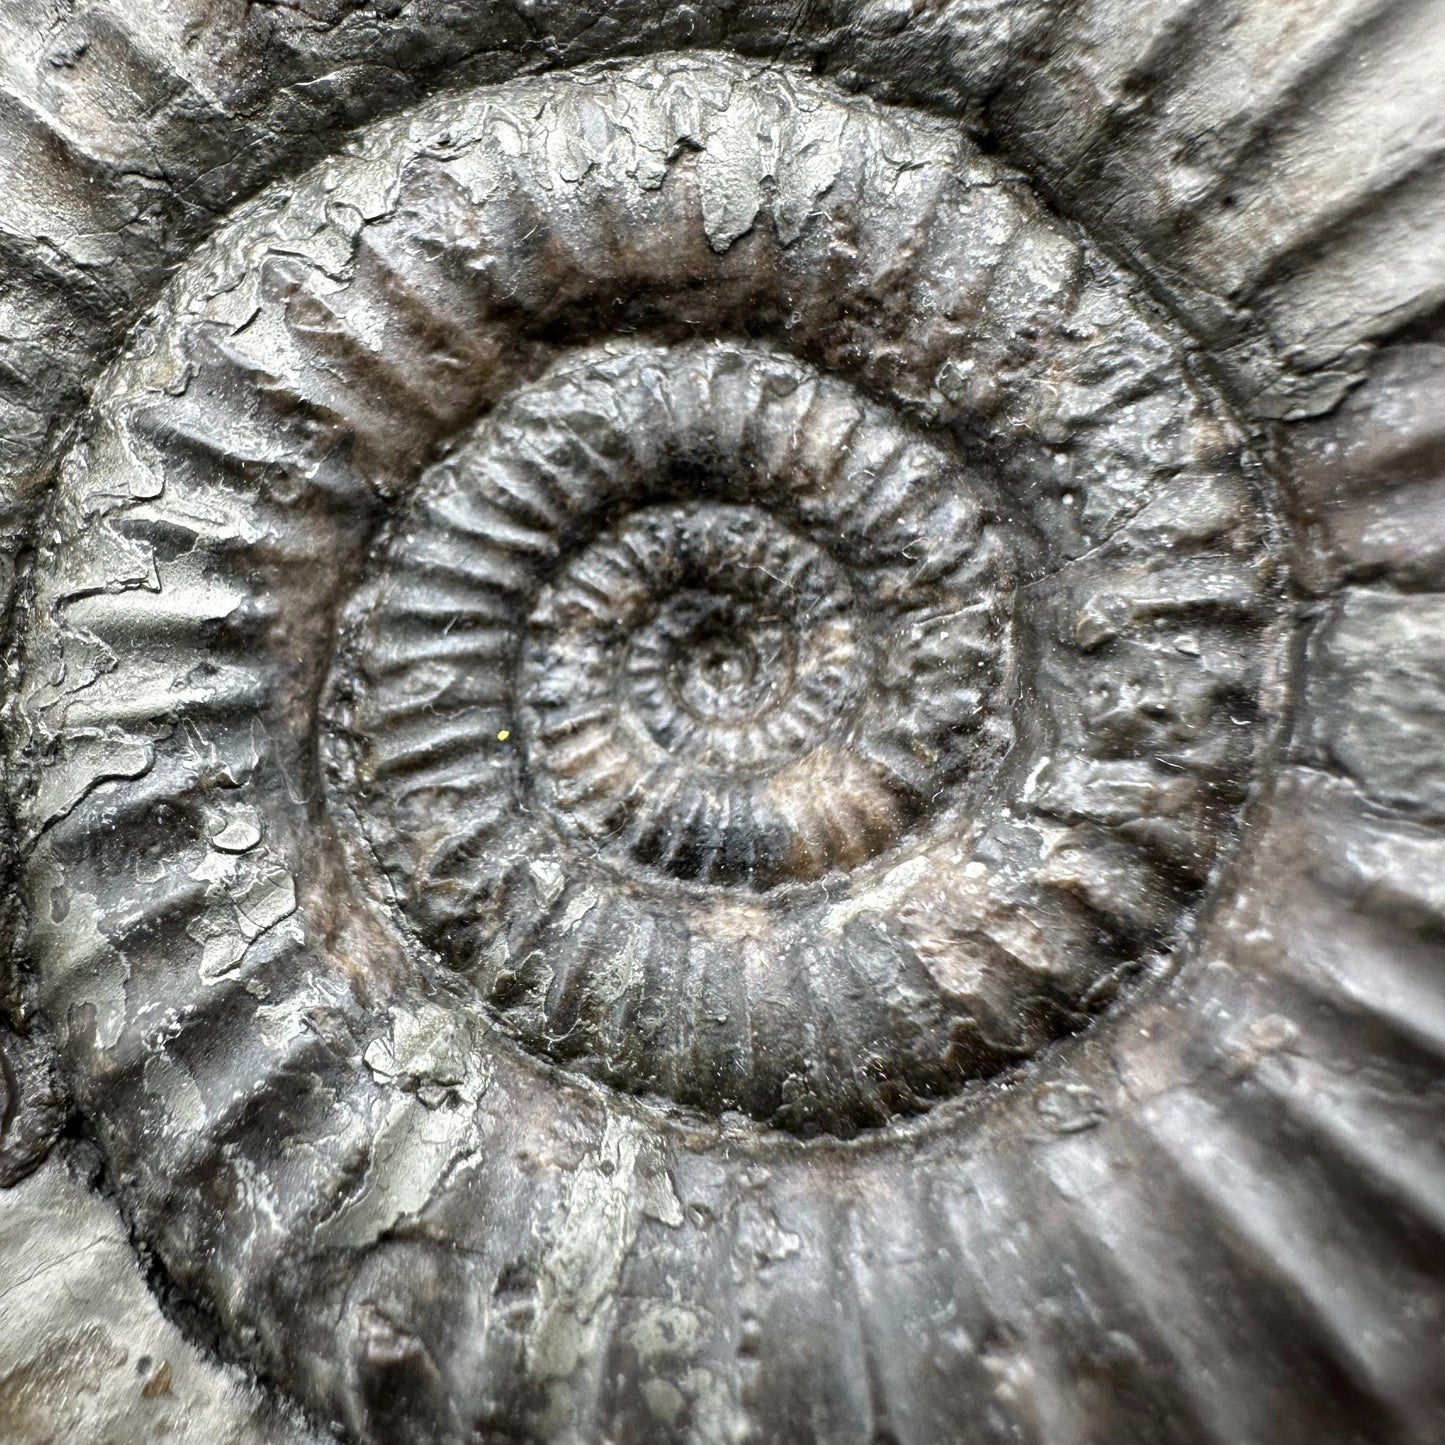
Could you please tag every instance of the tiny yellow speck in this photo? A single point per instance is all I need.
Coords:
(504, 735)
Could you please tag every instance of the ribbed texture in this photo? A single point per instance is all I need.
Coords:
(306, 1138)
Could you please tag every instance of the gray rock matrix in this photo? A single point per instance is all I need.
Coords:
(723, 722)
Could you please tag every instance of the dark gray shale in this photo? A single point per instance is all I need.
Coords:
(1216, 1215)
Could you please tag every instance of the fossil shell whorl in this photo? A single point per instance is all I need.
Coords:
(528, 544)
(566, 695)
(235, 963)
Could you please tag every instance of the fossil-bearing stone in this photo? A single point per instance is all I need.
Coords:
(696, 758)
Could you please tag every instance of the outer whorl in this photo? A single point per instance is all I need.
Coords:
(632, 698)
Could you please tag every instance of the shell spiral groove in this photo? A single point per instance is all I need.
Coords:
(769, 606)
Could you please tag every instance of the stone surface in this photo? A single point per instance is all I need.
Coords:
(85, 1353)
(1110, 1017)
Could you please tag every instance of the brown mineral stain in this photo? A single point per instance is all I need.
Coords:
(841, 810)
(159, 1382)
(33, 1396)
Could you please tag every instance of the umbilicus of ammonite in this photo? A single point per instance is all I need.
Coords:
(636, 708)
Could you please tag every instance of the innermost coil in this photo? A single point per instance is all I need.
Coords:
(681, 675)
(699, 615)
(719, 658)
(709, 661)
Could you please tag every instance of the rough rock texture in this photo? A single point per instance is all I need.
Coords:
(85, 1354)
(1133, 1006)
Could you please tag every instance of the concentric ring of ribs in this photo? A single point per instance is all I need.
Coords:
(991, 936)
(687, 785)
(881, 706)
(200, 936)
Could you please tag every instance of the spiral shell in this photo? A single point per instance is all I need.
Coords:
(640, 613)
(802, 675)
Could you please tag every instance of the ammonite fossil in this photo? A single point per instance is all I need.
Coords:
(725, 744)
